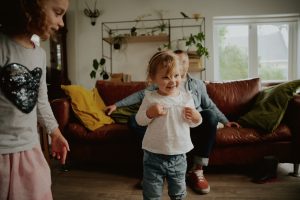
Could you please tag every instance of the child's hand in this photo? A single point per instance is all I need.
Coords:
(233, 124)
(191, 114)
(59, 146)
(110, 109)
(156, 110)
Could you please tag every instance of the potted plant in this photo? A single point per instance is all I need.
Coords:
(181, 44)
(133, 31)
(100, 68)
(196, 51)
(162, 24)
(115, 38)
(162, 27)
(117, 41)
(197, 42)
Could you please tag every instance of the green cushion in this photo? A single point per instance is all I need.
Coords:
(122, 114)
(270, 106)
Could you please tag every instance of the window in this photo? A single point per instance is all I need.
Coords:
(262, 46)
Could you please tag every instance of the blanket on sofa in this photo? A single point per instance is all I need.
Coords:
(270, 106)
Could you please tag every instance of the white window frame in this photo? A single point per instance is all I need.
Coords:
(253, 21)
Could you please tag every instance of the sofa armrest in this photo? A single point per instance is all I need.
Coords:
(61, 111)
(292, 114)
(291, 118)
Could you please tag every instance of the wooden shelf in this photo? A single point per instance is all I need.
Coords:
(146, 38)
(145, 31)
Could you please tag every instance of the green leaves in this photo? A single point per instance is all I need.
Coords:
(95, 64)
(198, 41)
(93, 74)
(102, 61)
(99, 67)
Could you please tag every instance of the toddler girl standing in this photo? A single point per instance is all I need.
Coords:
(169, 113)
(24, 172)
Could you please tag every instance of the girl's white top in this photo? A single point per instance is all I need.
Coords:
(168, 134)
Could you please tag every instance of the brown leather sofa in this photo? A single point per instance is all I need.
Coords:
(117, 145)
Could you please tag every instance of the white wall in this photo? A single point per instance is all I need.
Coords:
(84, 40)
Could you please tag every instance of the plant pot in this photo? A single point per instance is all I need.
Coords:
(133, 33)
(117, 46)
(196, 64)
(181, 45)
(192, 48)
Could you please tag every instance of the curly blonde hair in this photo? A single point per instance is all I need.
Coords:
(160, 60)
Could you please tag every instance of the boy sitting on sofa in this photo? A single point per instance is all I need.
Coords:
(203, 136)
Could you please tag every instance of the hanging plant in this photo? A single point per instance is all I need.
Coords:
(99, 67)
(118, 41)
(162, 24)
(133, 30)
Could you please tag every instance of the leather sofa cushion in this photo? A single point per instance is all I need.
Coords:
(111, 92)
(233, 136)
(234, 98)
(110, 133)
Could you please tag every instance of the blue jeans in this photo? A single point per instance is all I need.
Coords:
(203, 137)
(158, 167)
(139, 130)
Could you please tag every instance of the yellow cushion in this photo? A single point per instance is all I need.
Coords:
(88, 106)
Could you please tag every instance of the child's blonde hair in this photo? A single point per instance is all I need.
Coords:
(161, 60)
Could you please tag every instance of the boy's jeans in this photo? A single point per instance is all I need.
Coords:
(158, 167)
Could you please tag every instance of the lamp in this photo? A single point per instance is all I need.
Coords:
(92, 14)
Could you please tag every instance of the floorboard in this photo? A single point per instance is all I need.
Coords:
(226, 184)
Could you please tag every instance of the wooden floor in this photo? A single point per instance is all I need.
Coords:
(226, 184)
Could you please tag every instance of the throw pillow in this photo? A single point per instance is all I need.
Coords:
(270, 106)
(88, 106)
(121, 115)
